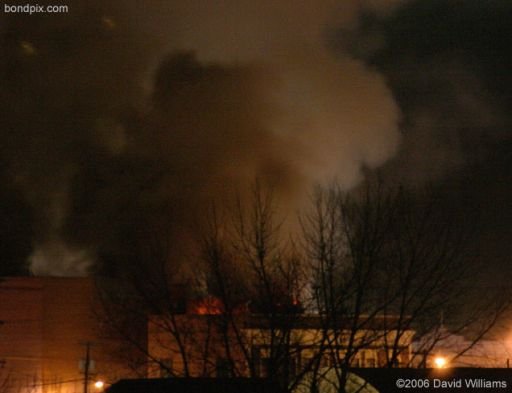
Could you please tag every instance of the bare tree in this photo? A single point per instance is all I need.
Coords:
(345, 239)
(150, 293)
(372, 268)
(244, 268)
(386, 263)
(429, 272)
(251, 267)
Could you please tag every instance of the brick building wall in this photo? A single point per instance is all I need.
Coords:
(46, 325)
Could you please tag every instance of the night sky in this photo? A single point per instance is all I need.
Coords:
(448, 64)
(116, 117)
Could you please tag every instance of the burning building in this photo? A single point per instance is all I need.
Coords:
(204, 342)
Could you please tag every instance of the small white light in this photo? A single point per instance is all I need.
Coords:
(99, 384)
(440, 362)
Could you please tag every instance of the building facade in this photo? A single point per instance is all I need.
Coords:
(48, 326)
(209, 344)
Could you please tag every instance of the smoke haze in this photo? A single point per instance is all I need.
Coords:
(446, 63)
(115, 117)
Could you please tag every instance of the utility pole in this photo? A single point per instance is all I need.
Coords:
(87, 365)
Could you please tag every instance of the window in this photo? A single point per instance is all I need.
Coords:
(382, 357)
(306, 361)
(223, 368)
(325, 360)
(404, 358)
(355, 362)
(166, 368)
(265, 368)
(292, 367)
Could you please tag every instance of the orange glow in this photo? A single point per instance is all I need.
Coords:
(208, 306)
(440, 362)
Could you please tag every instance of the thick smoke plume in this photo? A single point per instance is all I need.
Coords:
(119, 117)
(446, 63)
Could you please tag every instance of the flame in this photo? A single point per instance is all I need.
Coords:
(209, 305)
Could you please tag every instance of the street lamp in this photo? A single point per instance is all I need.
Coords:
(440, 362)
(99, 385)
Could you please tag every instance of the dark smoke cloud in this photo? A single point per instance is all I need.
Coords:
(62, 77)
(447, 63)
(119, 117)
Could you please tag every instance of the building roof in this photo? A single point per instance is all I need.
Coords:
(316, 321)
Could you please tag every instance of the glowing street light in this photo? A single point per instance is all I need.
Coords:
(440, 362)
(99, 385)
